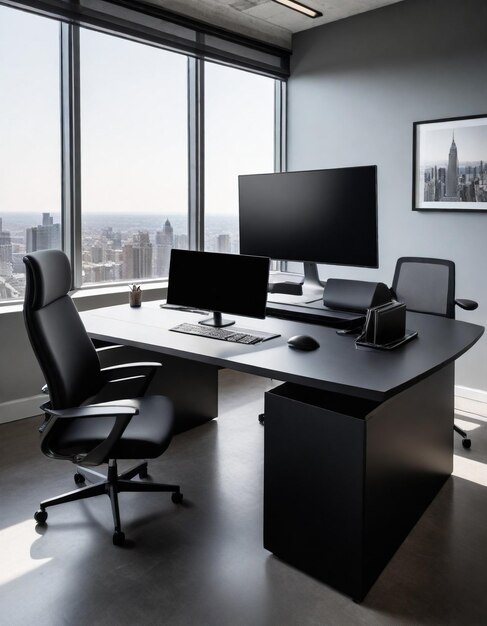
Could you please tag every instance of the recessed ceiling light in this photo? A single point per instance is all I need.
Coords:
(301, 8)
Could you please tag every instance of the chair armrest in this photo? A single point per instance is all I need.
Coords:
(110, 355)
(146, 370)
(100, 453)
(107, 348)
(92, 410)
(467, 305)
(128, 369)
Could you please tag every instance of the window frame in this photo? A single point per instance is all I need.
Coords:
(70, 123)
(70, 54)
(12, 304)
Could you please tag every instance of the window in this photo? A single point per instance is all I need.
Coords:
(134, 163)
(132, 183)
(30, 163)
(239, 139)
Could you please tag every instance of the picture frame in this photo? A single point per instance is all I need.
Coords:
(450, 164)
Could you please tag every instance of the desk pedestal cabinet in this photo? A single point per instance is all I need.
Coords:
(346, 479)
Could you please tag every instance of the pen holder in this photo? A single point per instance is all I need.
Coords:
(135, 298)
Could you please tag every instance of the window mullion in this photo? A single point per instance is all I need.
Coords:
(196, 138)
(280, 126)
(280, 143)
(70, 148)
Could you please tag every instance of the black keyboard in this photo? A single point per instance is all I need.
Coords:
(223, 334)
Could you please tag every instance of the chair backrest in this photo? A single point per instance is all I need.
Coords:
(426, 285)
(63, 349)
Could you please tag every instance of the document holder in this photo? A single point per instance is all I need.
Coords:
(385, 327)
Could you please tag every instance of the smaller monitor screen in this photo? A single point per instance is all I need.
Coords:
(227, 283)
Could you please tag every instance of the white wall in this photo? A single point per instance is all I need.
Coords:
(356, 88)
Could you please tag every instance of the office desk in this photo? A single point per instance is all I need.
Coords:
(357, 441)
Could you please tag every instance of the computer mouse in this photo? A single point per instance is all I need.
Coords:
(303, 342)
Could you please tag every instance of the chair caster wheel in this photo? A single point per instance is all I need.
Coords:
(466, 443)
(143, 473)
(79, 478)
(261, 418)
(177, 497)
(40, 517)
(118, 538)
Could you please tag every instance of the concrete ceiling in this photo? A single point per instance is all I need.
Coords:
(265, 19)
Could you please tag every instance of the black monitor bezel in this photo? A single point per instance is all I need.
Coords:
(225, 257)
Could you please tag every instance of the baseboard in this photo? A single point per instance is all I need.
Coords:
(479, 395)
(471, 401)
(19, 409)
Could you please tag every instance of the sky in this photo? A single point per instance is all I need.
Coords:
(133, 124)
(29, 113)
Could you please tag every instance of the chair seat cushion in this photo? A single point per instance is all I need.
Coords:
(146, 437)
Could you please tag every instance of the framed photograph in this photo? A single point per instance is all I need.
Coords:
(450, 164)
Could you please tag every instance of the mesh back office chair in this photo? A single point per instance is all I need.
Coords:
(428, 286)
(94, 415)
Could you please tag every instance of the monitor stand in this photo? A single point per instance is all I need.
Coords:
(310, 290)
(216, 320)
(312, 285)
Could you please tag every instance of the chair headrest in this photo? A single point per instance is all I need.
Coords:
(49, 275)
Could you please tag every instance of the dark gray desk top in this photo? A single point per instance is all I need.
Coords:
(336, 366)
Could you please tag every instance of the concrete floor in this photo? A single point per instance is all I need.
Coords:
(202, 563)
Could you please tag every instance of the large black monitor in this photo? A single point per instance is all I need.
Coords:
(221, 283)
(318, 216)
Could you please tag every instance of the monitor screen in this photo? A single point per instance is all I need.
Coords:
(320, 216)
(227, 283)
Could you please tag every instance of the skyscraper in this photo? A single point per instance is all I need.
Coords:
(47, 220)
(142, 255)
(452, 172)
(164, 245)
(5, 245)
(181, 242)
(45, 236)
(128, 261)
(223, 243)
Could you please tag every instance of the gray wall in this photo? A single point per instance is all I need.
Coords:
(20, 375)
(356, 88)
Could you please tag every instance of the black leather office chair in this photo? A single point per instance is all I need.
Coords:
(428, 286)
(94, 415)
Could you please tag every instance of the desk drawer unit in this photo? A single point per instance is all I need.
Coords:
(346, 479)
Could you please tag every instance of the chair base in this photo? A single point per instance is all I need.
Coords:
(111, 485)
(466, 441)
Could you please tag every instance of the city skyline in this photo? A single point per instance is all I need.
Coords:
(133, 159)
(135, 248)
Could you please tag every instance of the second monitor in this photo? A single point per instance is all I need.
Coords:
(223, 283)
(318, 216)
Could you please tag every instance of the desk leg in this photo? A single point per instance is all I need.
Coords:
(192, 386)
(345, 479)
